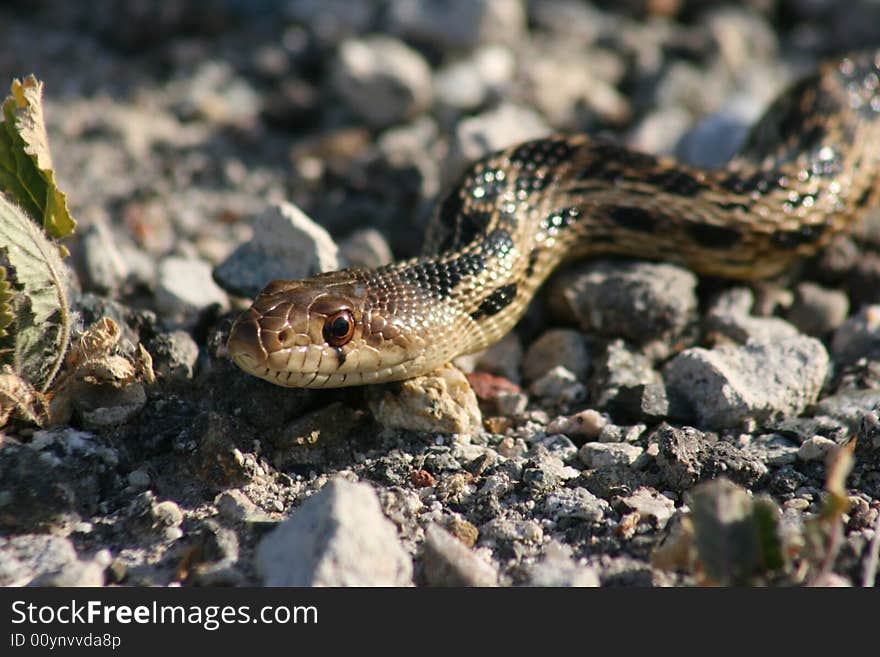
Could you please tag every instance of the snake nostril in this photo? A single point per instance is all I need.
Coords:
(284, 336)
(244, 339)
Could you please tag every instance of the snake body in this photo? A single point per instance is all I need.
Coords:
(809, 169)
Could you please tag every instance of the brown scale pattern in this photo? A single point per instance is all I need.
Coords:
(808, 170)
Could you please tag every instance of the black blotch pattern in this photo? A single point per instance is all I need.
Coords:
(463, 227)
(498, 243)
(863, 199)
(541, 152)
(676, 182)
(632, 218)
(440, 278)
(497, 301)
(714, 237)
(533, 259)
(340, 355)
(789, 239)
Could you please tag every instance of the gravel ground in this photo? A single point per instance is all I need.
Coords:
(208, 146)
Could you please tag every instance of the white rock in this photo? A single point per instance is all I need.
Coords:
(815, 448)
(185, 287)
(382, 79)
(459, 23)
(286, 244)
(601, 455)
(762, 380)
(338, 537)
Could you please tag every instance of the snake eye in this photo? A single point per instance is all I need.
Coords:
(339, 328)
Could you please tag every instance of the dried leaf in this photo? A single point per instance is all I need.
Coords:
(838, 465)
(6, 312)
(26, 173)
(19, 398)
(37, 343)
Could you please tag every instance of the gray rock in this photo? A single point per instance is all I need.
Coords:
(331, 20)
(660, 131)
(687, 456)
(338, 537)
(286, 244)
(604, 455)
(559, 386)
(511, 530)
(139, 479)
(773, 449)
(461, 24)
(729, 316)
(571, 19)
(556, 347)
(587, 423)
(815, 448)
(817, 310)
(112, 262)
(618, 366)
(122, 405)
(858, 337)
(485, 133)
(503, 358)
(382, 80)
(465, 85)
(716, 137)
(167, 514)
(366, 248)
(174, 355)
(616, 433)
(849, 407)
(448, 562)
(184, 287)
(557, 445)
(575, 504)
(566, 91)
(413, 146)
(46, 560)
(545, 472)
(642, 402)
(650, 505)
(641, 301)
(459, 87)
(763, 380)
(558, 569)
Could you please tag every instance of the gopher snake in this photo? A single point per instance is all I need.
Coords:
(809, 169)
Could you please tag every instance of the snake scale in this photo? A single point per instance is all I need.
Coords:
(809, 169)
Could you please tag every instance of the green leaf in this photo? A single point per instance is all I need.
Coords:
(26, 174)
(37, 343)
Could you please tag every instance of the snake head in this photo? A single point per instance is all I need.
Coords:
(322, 332)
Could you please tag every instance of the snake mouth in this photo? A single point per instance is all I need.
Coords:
(245, 345)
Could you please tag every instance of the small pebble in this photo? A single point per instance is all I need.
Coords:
(553, 348)
(560, 386)
(603, 455)
(815, 448)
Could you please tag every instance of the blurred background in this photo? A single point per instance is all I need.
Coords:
(174, 122)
